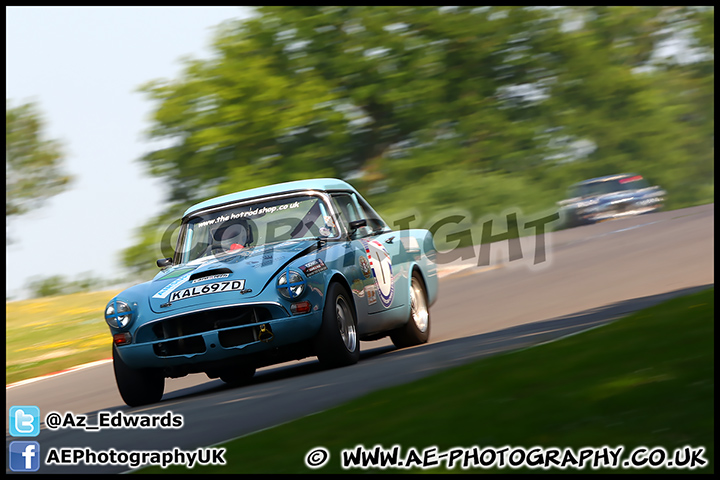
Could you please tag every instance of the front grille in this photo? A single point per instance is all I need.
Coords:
(204, 321)
(183, 346)
(182, 335)
(238, 336)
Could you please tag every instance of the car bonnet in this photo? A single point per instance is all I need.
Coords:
(239, 277)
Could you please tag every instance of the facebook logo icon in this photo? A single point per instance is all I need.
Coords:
(24, 421)
(24, 456)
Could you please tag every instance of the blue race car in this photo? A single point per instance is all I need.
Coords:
(609, 197)
(269, 275)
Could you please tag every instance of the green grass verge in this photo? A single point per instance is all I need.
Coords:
(45, 335)
(645, 380)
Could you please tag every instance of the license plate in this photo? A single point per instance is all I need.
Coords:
(207, 289)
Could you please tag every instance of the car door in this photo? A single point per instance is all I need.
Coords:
(379, 251)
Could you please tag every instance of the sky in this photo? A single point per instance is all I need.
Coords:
(83, 66)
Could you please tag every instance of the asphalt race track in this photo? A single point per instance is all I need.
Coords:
(593, 275)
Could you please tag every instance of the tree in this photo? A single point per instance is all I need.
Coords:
(47, 286)
(55, 285)
(33, 164)
(484, 108)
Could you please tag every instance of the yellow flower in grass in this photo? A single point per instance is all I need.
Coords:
(56, 345)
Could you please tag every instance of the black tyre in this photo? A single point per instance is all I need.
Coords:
(417, 330)
(239, 375)
(337, 343)
(137, 387)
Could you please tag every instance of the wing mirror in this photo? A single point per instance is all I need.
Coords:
(164, 262)
(355, 225)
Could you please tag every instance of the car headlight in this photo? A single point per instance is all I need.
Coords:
(292, 289)
(118, 314)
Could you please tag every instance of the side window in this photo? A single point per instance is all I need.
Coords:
(374, 222)
(349, 211)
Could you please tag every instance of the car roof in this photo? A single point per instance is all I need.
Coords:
(606, 178)
(322, 184)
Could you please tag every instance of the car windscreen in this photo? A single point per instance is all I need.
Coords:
(227, 230)
(610, 186)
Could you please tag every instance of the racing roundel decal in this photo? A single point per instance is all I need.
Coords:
(381, 267)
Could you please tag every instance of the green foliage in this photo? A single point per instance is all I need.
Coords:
(47, 287)
(59, 285)
(156, 240)
(32, 163)
(456, 107)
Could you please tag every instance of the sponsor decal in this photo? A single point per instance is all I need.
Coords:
(211, 277)
(258, 211)
(178, 272)
(365, 266)
(207, 289)
(172, 286)
(371, 294)
(381, 267)
(267, 258)
(358, 288)
(311, 268)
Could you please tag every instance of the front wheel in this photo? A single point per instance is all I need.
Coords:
(137, 386)
(417, 329)
(337, 343)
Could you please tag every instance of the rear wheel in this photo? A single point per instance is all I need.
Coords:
(417, 330)
(137, 386)
(337, 343)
